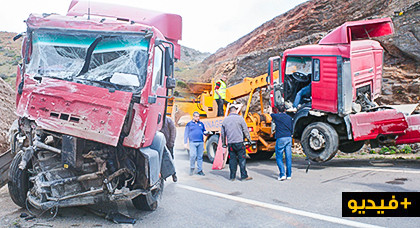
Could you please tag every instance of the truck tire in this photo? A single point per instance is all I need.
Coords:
(18, 181)
(319, 142)
(149, 202)
(211, 147)
(261, 155)
(351, 146)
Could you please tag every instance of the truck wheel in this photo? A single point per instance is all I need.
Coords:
(149, 202)
(319, 142)
(18, 181)
(211, 147)
(351, 146)
(261, 155)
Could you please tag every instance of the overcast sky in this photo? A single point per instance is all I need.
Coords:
(207, 25)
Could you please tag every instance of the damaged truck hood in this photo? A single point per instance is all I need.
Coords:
(84, 111)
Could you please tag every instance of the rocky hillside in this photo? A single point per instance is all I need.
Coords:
(9, 56)
(309, 22)
(9, 59)
(7, 116)
(189, 68)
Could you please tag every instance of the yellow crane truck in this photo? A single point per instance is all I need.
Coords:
(200, 97)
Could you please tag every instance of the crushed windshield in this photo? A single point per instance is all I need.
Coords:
(119, 59)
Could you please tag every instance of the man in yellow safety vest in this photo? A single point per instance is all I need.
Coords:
(220, 94)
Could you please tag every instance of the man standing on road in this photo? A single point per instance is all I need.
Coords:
(194, 132)
(169, 131)
(234, 129)
(220, 94)
(284, 131)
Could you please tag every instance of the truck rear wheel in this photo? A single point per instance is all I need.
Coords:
(211, 147)
(351, 146)
(319, 142)
(149, 202)
(18, 181)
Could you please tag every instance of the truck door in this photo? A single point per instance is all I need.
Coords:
(157, 94)
(324, 83)
(276, 86)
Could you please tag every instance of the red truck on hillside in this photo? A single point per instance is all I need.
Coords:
(344, 74)
(91, 98)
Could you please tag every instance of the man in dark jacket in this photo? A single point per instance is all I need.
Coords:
(194, 132)
(234, 130)
(284, 131)
(169, 131)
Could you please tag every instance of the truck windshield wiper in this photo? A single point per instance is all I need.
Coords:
(89, 52)
(39, 78)
(114, 86)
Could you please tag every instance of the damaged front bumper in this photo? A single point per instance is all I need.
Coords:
(87, 198)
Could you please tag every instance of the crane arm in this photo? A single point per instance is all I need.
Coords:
(247, 86)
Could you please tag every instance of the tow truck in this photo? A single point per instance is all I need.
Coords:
(199, 97)
(91, 95)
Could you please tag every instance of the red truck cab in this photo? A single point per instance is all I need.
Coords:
(341, 77)
(91, 99)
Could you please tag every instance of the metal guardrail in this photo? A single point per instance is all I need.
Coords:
(5, 160)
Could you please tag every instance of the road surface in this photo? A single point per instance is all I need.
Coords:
(311, 199)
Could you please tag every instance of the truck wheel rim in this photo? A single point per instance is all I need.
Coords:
(316, 140)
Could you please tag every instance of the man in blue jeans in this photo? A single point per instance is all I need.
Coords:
(284, 131)
(194, 132)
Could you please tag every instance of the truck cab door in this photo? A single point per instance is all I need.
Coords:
(275, 82)
(157, 95)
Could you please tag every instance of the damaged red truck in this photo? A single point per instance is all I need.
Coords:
(344, 72)
(91, 99)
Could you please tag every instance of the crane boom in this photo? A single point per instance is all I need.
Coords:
(247, 86)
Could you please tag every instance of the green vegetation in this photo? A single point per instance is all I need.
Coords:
(407, 149)
(394, 150)
(294, 155)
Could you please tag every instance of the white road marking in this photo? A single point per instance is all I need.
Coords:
(381, 170)
(279, 208)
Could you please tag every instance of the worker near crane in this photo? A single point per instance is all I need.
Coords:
(283, 135)
(220, 94)
(194, 132)
(169, 131)
(234, 130)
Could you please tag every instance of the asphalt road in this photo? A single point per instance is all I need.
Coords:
(311, 199)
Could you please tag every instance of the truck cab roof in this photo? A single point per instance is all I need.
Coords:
(170, 25)
(350, 37)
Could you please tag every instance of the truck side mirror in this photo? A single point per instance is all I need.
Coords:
(169, 62)
(278, 95)
(170, 83)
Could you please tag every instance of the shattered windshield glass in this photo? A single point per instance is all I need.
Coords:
(116, 61)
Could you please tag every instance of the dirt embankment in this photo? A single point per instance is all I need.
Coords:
(7, 116)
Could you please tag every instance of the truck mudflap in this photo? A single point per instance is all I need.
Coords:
(412, 134)
(168, 166)
(159, 160)
(370, 125)
(5, 160)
